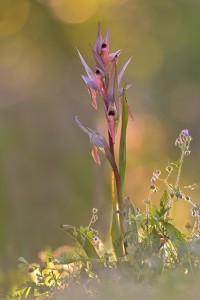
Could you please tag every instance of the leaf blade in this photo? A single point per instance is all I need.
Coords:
(82, 239)
(122, 147)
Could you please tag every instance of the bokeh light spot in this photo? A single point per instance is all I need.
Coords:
(21, 66)
(74, 11)
(148, 57)
(146, 132)
(13, 16)
(185, 103)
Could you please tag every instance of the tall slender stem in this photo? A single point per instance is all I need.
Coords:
(118, 186)
(180, 168)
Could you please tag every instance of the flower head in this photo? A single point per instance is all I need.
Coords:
(185, 132)
(103, 79)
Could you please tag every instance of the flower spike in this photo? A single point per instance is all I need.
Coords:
(103, 80)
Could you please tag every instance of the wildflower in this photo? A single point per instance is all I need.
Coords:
(179, 195)
(155, 177)
(104, 81)
(185, 132)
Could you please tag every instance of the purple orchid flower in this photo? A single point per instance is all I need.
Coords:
(104, 80)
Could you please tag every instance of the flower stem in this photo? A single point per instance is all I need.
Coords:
(118, 189)
(180, 168)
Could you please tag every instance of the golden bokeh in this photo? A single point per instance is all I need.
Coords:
(148, 57)
(74, 11)
(184, 101)
(13, 16)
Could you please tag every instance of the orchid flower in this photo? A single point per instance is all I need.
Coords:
(104, 80)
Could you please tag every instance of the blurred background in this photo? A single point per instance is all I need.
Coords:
(47, 175)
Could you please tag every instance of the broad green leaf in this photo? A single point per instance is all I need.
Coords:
(122, 147)
(82, 239)
(174, 234)
(158, 214)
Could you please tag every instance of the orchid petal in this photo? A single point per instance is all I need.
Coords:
(98, 140)
(93, 97)
(107, 39)
(95, 155)
(114, 54)
(92, 89)
(99, 40)
(90, 83)
(87, 68)
(99, 61)
(104, 53)
(114, 60)
(121, 73)
(115, 85)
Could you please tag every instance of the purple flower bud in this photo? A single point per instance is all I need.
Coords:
(185, 132)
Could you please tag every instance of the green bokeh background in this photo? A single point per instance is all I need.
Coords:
(47, 175)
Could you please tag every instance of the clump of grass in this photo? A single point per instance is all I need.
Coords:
(146, 245)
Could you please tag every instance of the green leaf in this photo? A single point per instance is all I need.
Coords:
(164, 200)
(176, 163)
(139, 218)
(174, 234)
(155, 240)
(83, 240)
(116, 234)
(122, 147)
(130, 224)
